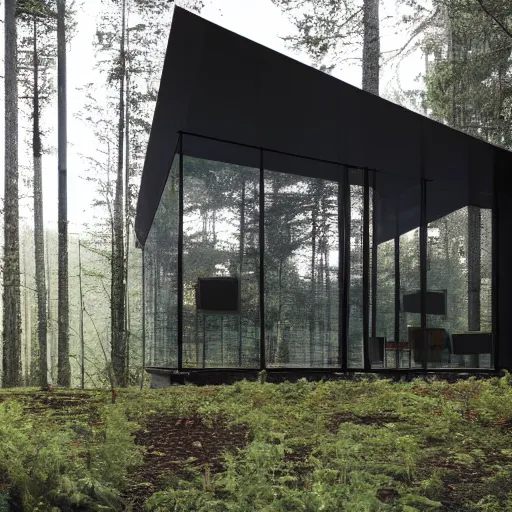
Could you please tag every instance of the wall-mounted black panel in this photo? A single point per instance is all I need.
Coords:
(218, 295)
(436, 302)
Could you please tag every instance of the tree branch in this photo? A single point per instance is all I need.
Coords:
(415, 33)
(493, 17)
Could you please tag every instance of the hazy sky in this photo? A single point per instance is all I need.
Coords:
(258, 20)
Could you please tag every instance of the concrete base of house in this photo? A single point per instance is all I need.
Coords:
(165, 377)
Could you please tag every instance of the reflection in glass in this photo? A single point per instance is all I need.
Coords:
(161, 278)
(459, 263)
(221, 232)
(386, 297)
(221, 238)
(355, 302)
(301, 271)
(410, 321)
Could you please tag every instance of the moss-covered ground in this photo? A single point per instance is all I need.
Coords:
(367, 445)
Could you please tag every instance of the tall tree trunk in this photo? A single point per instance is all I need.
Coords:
(447, 242)
(280, 351)
(11, 355)
(39, 228)
(81, 318)
(51, 329)
(204, 341)
(118, 344)
(427, 71)
(27, 331)
(127, 200)
(157, 357)
(451, 57)
(320, 305)
(222, 342)
(214, 230)
(63, 366)
(371, 46)
(197, 338)
(151, 296)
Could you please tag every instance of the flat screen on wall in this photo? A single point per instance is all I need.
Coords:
(218, 295)
(436, 302)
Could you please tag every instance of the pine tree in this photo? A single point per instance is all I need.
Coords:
(42, 316)
(329, 29)
(64, 367)
(130, 63)
(117, 308)
(371, 46)
(11, 361)
(38, 21)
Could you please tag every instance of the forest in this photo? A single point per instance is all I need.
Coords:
(79, 428)
(72, 301)
(72, 298)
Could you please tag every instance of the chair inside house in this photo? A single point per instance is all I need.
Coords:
(437, 340)
(429, 345)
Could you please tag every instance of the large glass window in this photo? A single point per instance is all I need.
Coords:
(311, 224)
(397, 235)
(459, 267)
(301, 271)
(161, 278)
(221, 239)
(355, 296)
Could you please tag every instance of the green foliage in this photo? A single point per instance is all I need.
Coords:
(339, 445)
(325, 28)
(433, 487)
(391, 436)
(85, 493)
(468, 75)
(492, 503)
(500, 487)
(33, 456)
(259, 479)
(415, 502)
(71, 466)
(4, 502)
(113, 451)
(439, 83)
(40, 8)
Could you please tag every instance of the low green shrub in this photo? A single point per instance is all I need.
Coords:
(260, 479)
(51, 466)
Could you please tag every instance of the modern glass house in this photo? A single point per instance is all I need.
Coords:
(290, 221)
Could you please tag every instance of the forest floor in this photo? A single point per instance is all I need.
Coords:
(369, 445)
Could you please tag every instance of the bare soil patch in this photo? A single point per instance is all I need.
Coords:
(170, 441)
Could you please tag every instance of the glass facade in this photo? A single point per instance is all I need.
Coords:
(355, 213)
(301, 269)
(161, 278)
(329, 271)
(220, 238)
(459, 265)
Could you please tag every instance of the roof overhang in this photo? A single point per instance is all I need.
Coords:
(219, 84)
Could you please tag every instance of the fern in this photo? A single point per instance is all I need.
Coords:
(4, 502)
